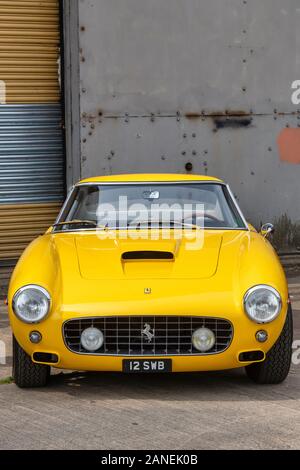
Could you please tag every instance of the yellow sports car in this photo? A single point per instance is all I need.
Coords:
(150, 274)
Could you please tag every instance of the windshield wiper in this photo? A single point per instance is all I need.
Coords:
(185, 224)
(90, 223)
(161, 223)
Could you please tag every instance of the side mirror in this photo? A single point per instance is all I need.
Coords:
(267, 229)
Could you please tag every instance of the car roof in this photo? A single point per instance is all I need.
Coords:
(149, 177)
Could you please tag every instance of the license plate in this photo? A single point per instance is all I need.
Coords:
(147, 366)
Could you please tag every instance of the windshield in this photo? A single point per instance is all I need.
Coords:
(118, 206)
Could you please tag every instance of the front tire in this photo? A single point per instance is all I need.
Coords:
(276, 366)
(27, 374)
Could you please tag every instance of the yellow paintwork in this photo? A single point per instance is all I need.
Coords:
(146, 177)
(85, 276)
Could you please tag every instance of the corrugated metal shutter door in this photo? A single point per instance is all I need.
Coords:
(31, 154)
(20, 224)
(29, 50)
(31, 136)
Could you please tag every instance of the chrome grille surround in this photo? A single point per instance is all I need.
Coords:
(172, 335)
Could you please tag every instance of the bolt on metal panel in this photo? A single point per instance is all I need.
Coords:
(194, 86)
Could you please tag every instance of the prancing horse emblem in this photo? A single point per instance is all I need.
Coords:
(147, 332)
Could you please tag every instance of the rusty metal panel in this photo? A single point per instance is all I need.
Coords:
(20, 224)
(192, 56)
(194, 86)
(29, 50)
(31, 154)
(242, 150)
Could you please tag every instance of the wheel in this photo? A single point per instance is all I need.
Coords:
(276, 366)
(26, 373)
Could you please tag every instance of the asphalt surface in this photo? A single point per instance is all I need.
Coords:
(183, 411)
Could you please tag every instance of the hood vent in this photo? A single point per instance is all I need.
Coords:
(147, 255)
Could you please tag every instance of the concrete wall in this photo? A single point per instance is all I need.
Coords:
(191, 85)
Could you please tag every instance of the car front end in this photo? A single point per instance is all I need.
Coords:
(96, 298)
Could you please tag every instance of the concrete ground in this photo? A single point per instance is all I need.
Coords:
(185, 411)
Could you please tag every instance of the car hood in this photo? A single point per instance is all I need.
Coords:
(117, 258)
(86, 275)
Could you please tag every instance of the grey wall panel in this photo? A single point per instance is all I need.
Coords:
(166, 83)
(245, 156)
(31, 154)
(72, 90)
(144, 56)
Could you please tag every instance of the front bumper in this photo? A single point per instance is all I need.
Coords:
(244, 340)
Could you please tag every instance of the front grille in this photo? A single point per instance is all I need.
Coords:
(172, 335)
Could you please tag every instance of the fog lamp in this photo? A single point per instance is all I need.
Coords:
(203, 339)
(92, 339)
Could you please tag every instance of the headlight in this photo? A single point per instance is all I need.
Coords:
(262, 304)
(31, 304)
